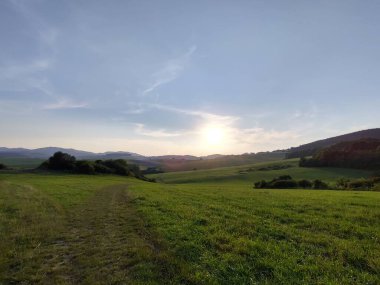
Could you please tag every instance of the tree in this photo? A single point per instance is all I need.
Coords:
(305, 183)
(260, 184)
(61, 161)
(85, 167)
(342, 183)
(365, 184)
(302, 162)
(319, 184)
(283, 177)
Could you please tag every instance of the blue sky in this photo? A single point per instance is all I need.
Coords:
(186, 77)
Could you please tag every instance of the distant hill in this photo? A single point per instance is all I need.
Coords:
(46, 152)
(23, 156)
(32, 157)
(313, 148)
(216, 161)
(41, 153)
(361, 154)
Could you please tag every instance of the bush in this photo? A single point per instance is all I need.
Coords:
(342, 183)
(61, 161)
(376, 179)
(154, 170)
(305, 184)
(2, 166)
(135, 169)
(319, 184)
(361, 184)
(284, 177)
(261, 184)
(100, 168)
(84, 167)
(283, 184)
(65, 162)
(118, 166)
(308, 162)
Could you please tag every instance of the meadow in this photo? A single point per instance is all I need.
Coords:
(245, 175)
(20, 162)
(199, 227)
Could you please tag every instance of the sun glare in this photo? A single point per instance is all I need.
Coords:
(213, 135)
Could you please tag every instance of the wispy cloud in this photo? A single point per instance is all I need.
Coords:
(14, 70)
(171, 70)
(237, 138)
(46, 32)
(65, 104)
(159, 133)
(225, 119)
(140, 108)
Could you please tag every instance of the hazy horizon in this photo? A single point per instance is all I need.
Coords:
(198, 78)
(158, 154)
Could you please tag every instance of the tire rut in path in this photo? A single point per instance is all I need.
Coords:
(105, 243)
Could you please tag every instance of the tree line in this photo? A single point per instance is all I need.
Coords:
(65, 162)
(287, 182)
(361, 154)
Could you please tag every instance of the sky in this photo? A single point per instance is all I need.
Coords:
(186, 77)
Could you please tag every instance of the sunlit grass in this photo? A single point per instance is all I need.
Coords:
(67, 229)
(247, 174)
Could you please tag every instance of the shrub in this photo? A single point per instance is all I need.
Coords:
(284, 177)
(361, 184)
(287, 183)
(65, 162)
(305, 183)
(154, 170)
(61, 161)
(84, 167)
(2, 166)
(319, 184)
(100, 168)
(118, 166)
(376, 179)
(135, 169)
(342, 183)
(260, 184)
(281, 182)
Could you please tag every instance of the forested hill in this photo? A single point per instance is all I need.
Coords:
(363, 153)
(312, 148)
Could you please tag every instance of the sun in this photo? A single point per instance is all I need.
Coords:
(213, 135)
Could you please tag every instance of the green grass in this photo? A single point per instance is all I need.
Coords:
(235, 235)
(72, 229)
(247, 174)
(21, 162)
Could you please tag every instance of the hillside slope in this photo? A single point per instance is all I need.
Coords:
(313, 147)
(362, 154)
(247, 174)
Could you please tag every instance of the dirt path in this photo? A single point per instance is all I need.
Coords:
(105, 242)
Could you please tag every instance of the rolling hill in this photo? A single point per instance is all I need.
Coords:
(22, 157)
(361, 154)
(28, 158)
(312, 148)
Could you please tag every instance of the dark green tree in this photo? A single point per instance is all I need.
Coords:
(61, 161)
(304, 183)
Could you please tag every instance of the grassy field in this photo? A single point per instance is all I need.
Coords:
(245, 175)
(21, 162)
(66, 229)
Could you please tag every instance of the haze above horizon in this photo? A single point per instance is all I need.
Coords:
(197, 77)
